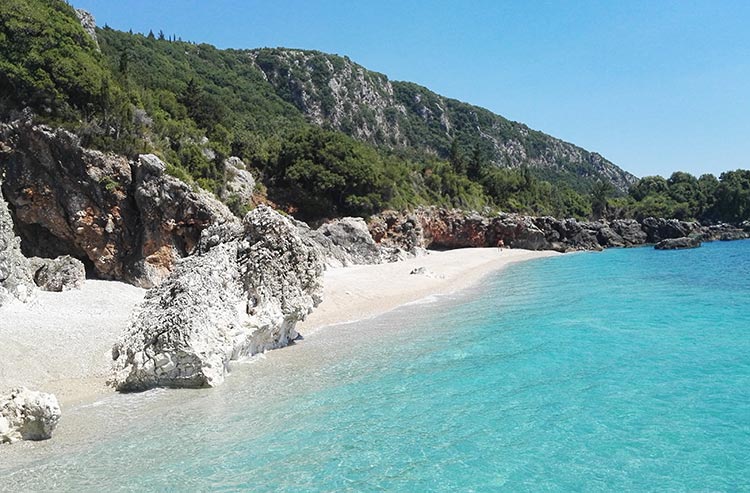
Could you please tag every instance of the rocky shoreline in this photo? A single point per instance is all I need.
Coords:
(222, 288)
(438, 228)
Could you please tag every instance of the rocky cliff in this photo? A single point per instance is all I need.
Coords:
(336, 92)
(127, 220)
(451, 228)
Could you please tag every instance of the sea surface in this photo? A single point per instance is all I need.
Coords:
(626, 370)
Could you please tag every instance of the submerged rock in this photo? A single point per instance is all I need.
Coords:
(241, 294)
(678, 243)
(27, 415)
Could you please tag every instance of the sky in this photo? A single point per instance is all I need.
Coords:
(653, 86)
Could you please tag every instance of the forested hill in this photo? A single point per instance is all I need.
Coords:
(323, 136)
(335, 92)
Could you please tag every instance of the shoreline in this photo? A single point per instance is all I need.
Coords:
(360, 292)
(61, 343)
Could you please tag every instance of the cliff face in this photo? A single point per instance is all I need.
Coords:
(126, 220)
(333, 91)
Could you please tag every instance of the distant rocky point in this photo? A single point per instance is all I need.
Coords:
(678, 243)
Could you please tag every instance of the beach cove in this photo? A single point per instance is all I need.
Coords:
(62, 342)
(546, 375)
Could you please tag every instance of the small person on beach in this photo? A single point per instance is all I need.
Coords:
(500, 244)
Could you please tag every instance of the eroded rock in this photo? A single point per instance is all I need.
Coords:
(241, 294)
(27, 415)
(58, 274)
(678, 243)
(16, 282)
(129, 221)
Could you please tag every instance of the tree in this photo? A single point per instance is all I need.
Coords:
(456, 159)
(600, 193)
(476, 164)
(648, 185)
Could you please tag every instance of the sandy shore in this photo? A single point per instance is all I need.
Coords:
(365, 291)
(61, 343)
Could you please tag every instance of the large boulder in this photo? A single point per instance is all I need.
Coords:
(27, 415)
(241, 294)
(16, 282)
(630, 231)
(657, 229)
(678, 243)
(58, 274)
(128, 221)
(351, 237)
(398, 230)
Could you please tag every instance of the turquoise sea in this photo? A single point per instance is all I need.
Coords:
(626, 370)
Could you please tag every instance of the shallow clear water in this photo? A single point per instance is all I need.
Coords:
(621, 370)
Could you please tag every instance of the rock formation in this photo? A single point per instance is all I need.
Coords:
(89, 24)
(433, 227)
(27, 415)
(240, 184)
(678, 243)
(58, 274)
(16, 282)
(241, 293)
(126, 220)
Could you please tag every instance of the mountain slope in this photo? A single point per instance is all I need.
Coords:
(336, 92)
(323, 136)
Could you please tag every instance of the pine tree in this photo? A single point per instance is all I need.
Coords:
(456, 159)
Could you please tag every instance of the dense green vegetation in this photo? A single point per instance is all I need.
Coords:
(195, 105)
(683, 196)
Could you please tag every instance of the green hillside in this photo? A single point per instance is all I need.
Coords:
(324, 136)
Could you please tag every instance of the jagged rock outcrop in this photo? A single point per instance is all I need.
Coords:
(126, 220)
(348, 241)
(678, 243)
(58, 274)
(27, 415)
(397, 230)
(432, 227)
(88, 23)
(171, 215)
(241, 293)
(630, 231)
(658, 229)
(16, 282)
(240, 184)
(726, 232)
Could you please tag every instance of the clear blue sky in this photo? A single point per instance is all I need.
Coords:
(654, 86)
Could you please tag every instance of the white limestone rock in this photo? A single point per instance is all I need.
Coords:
(240, 184)
(241, 294)
(27, 415)
(16, 283)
